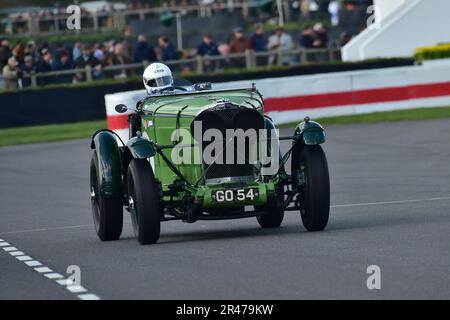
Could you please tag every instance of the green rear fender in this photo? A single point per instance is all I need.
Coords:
(109, 164)
(310, 133)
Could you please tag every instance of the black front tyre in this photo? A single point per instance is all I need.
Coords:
(107, 213)
(313, 164)
(144, 202)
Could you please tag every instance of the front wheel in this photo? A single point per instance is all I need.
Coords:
(144, 204)
(311, 168)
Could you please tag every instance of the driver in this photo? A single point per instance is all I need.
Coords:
(158, 78)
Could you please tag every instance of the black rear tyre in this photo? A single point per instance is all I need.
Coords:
(107, 213)
(274, 214)
(315, 212)
(270, 220)
(144, 202)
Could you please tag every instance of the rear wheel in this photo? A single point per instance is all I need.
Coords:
(312, 166)
(107, 213)
(143, 198)
(270, 220)
(274, 214)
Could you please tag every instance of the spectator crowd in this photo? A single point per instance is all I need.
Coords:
(18, 61)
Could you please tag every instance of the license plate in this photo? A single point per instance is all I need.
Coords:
(235, 195)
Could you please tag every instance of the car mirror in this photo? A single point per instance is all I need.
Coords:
(121, 108)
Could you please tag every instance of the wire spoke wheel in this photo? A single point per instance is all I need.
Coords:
(133, 211)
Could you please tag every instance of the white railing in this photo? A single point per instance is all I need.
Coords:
(105, 21)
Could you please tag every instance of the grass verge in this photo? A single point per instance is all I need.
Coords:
(388, 116)
(49, 133)
(61, 132)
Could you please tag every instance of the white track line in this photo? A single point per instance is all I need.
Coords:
(76, 289)
(53, 276)
(64, 282)
(88, 296)
(33, 263)
(79, 291)
(8, 249)
(43, 269)
(16, 253)
(24, 258)
(333, 206)
(47, 229)
(388, 202)
(50, 229)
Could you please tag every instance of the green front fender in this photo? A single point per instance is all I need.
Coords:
(310, 133)
(141, 148)
(109, 164)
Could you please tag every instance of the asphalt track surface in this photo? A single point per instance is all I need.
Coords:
(391, 207)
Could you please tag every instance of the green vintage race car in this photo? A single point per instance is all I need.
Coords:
(146, 176)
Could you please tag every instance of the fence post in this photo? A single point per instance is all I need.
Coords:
(33, 79)
(331, 54)
(30, 26)
(304, 56)
(95, 20)
(123, 20)
(36, 25)
(199, 64)
(119, 20)
(56, 24)
(249, 58)
(280, 57)
(88, 69)
(179, 31)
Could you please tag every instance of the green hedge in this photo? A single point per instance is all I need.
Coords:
(441, 51)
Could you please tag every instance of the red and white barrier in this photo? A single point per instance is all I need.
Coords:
(119, 122)
(290, 99)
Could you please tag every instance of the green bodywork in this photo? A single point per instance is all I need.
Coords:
(163, 114)
(163, 118)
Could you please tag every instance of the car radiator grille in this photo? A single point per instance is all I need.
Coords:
(223, 117)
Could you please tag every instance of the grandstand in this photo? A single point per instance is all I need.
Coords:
(403, 26)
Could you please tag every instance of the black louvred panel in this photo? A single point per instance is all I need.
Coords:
(224, 117)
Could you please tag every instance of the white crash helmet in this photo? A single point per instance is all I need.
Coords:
(157, 77)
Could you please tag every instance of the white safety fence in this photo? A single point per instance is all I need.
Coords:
(290, 99)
